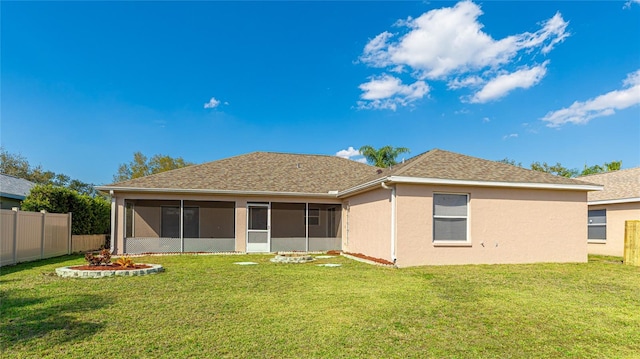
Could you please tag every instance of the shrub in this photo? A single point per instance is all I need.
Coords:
(125, 262)
(91, 215)
(103, 258)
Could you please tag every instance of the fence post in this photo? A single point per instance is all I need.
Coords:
(44, 219)
(632, 243)
(69, 241)
(15, 234)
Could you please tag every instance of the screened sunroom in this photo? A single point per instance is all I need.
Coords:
(281, 226)
(161, 226)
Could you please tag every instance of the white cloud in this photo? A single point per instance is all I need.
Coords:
(449, 44)
(348, 153)
(511, 135)
(629, 2)
(486, 119)
(501, 85)
(213, 103)
(603, 105)
(351, 154)
(471, 81)
(388, 92)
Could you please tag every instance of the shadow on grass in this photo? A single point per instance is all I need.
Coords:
(24, 319)
(4, 270)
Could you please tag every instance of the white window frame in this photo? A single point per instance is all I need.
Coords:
(589, 224)
(448, 242)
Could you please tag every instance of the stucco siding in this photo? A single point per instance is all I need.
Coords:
(368, 224)
(505, 226)
(617, 214)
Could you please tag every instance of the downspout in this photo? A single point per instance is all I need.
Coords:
(113, 222)
(393, 220)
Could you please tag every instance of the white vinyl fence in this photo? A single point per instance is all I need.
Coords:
(28, 236)
(87, 242)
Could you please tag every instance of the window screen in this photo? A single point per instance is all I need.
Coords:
(450, 217)
(597, 224)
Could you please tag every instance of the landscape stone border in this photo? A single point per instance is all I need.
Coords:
(69, 272)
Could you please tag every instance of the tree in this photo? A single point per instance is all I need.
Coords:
(142, 166)
(606, 167)
(14, 165)
(17, 165)
(382, 157)
(560, 170)
(557, 169)
(509, 161)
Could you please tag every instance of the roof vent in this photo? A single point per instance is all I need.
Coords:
(379, 171)
(297, 165)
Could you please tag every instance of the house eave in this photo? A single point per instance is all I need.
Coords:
(12, 196)
(362, 187)
(454, 182)
(613, 201)
(531, 185)
(331, 194)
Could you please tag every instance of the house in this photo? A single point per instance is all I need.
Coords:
(436, 208)
(13, 190)
(610, 208)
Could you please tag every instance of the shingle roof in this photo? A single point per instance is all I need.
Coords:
(14, 187)
(623, 184)
(440, 164)
(321, 174)
(261, 172)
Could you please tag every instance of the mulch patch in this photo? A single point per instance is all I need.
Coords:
(110, 267)
(373, 259)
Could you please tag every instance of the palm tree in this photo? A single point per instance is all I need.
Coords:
(382, 157)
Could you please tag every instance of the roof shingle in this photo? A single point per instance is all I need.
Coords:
(15, 187)
(321, 174)
(442, 164)
(261, 172)
(622, 184)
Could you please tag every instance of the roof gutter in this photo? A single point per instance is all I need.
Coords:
(362, 187)
(614, 201)
(113, 223)
(393, 220)
(575, 187)
(331, 194)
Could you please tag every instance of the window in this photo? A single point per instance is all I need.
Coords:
(171, 222)
(128, 219)
(597, 226)
(314, 216)
(450, 212)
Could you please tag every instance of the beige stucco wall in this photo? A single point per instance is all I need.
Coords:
(367, 224)
(617, 214)
(240, 211)
(505, 226)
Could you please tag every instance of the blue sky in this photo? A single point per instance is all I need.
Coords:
(86, 84)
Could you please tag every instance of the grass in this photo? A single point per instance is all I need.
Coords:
(205, 306)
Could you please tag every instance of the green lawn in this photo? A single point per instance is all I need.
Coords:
(205, 306)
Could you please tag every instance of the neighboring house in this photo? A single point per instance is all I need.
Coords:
(436, 208)
(610, 208)
(13, 190)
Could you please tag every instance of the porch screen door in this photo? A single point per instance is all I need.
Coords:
(258, 227)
